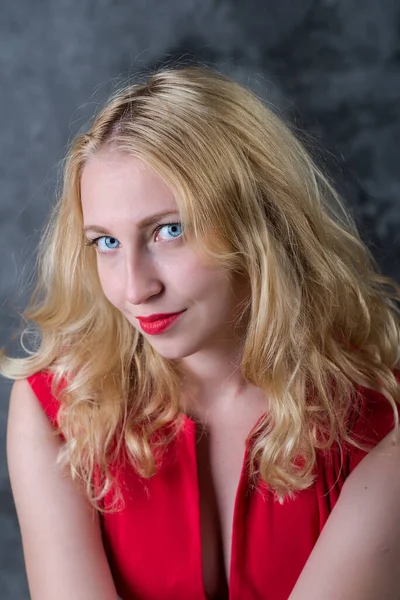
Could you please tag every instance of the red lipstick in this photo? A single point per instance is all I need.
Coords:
(158, 323)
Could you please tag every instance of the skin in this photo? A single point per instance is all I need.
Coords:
(143, 271)
(151, 270)
(357, 554)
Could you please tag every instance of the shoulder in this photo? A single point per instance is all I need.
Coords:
(30, 440)
(365, 521)
(32, 418)
(50, 507)
(37, 389)
(373, 420)
(26, 418)
(24, 403)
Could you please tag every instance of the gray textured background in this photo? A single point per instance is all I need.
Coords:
(333, 66)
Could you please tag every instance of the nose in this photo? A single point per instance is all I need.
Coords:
(142, 279)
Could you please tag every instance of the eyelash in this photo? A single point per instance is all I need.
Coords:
(93, 241)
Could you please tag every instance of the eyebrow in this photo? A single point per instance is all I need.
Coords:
(141, 225)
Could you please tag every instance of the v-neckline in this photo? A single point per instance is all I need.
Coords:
(233, 584)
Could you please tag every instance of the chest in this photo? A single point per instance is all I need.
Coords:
(220, 454)
(196, 523)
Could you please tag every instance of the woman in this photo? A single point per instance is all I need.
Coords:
(217, 358)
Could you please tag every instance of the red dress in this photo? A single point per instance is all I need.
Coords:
(154, 544)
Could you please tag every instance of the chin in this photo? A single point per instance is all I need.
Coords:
(169, 349)
(169, 353)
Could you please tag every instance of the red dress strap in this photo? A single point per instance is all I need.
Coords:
(41, 384)
(373, 421)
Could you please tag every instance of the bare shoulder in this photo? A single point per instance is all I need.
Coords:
(357, 553)
(61, 537)
(25, 412)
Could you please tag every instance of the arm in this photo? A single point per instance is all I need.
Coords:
(61, 537)
(357, 556)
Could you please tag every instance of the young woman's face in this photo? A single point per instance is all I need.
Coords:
(149, 268)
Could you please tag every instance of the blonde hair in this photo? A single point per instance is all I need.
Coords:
(321, 318)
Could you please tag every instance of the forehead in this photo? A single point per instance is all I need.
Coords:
(113, 181)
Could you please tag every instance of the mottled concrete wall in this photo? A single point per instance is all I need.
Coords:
(332, 65)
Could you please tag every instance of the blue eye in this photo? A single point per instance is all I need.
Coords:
(105, 244)
(176, 229)
(110, 243)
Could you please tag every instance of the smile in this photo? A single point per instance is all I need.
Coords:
(160, 325)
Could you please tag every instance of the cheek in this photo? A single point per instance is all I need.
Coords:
(111, 283)
(206, 284)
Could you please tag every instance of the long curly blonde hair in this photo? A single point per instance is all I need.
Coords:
(322, 320)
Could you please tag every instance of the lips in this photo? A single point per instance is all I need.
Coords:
(158, 326)
(158, 317)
